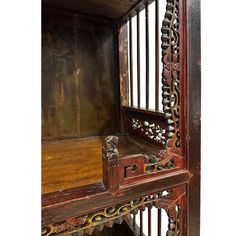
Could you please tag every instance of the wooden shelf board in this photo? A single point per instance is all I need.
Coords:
(75, 163)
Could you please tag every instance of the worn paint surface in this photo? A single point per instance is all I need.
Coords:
(78, 76)
(123, 60)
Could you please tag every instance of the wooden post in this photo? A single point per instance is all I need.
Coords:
(110, 163)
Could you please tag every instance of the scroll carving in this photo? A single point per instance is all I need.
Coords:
(81, 225)
(171, 69)
(157, 164)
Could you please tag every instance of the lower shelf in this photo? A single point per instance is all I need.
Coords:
(75, 163)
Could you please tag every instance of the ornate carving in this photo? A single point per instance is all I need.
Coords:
(155, 164)
(110, 157)
(167, 200)
(151, 130)
(110, 145)
(171, 68)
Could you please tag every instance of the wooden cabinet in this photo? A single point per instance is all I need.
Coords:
(120, 117)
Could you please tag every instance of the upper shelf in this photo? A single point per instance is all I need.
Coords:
(113, 9)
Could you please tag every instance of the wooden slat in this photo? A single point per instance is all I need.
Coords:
(134, 222)
(114, 9)
(157, 52)
(123, 65)
(149, 222)
(131, 60)
(147, 55)
(159, 222)
(141, 223)
(133, 10)
(138, 58)
(135, 230)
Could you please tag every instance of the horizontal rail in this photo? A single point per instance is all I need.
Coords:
(55, 211)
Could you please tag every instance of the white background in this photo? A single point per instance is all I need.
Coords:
(20, 91)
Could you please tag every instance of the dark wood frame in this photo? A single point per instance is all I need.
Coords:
(73, 203)
(194, 114)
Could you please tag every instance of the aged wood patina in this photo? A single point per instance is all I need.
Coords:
(105, 160)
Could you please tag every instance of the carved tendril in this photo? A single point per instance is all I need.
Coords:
(171, 68)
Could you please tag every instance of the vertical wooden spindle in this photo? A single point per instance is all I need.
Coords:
(157, 52)
(131, 60)
(138, 57)
(147, 55)
(149, 222)
(159, 222)
(141, 223)
(134, 221)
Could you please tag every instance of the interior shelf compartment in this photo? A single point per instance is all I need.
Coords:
(78, 162)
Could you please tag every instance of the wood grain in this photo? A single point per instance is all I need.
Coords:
(68, 164)
(80, 66)
(194, 114)
(113, 9)
(78, 71)
(76, 163)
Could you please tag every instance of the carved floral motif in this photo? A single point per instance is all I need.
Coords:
(156, 164)
(151, 130)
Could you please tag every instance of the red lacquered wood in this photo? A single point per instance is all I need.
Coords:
(122, 181)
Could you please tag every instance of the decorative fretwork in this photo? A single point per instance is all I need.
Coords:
(81, 225)
(150, 129)
(171, 69)
(157, 164)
